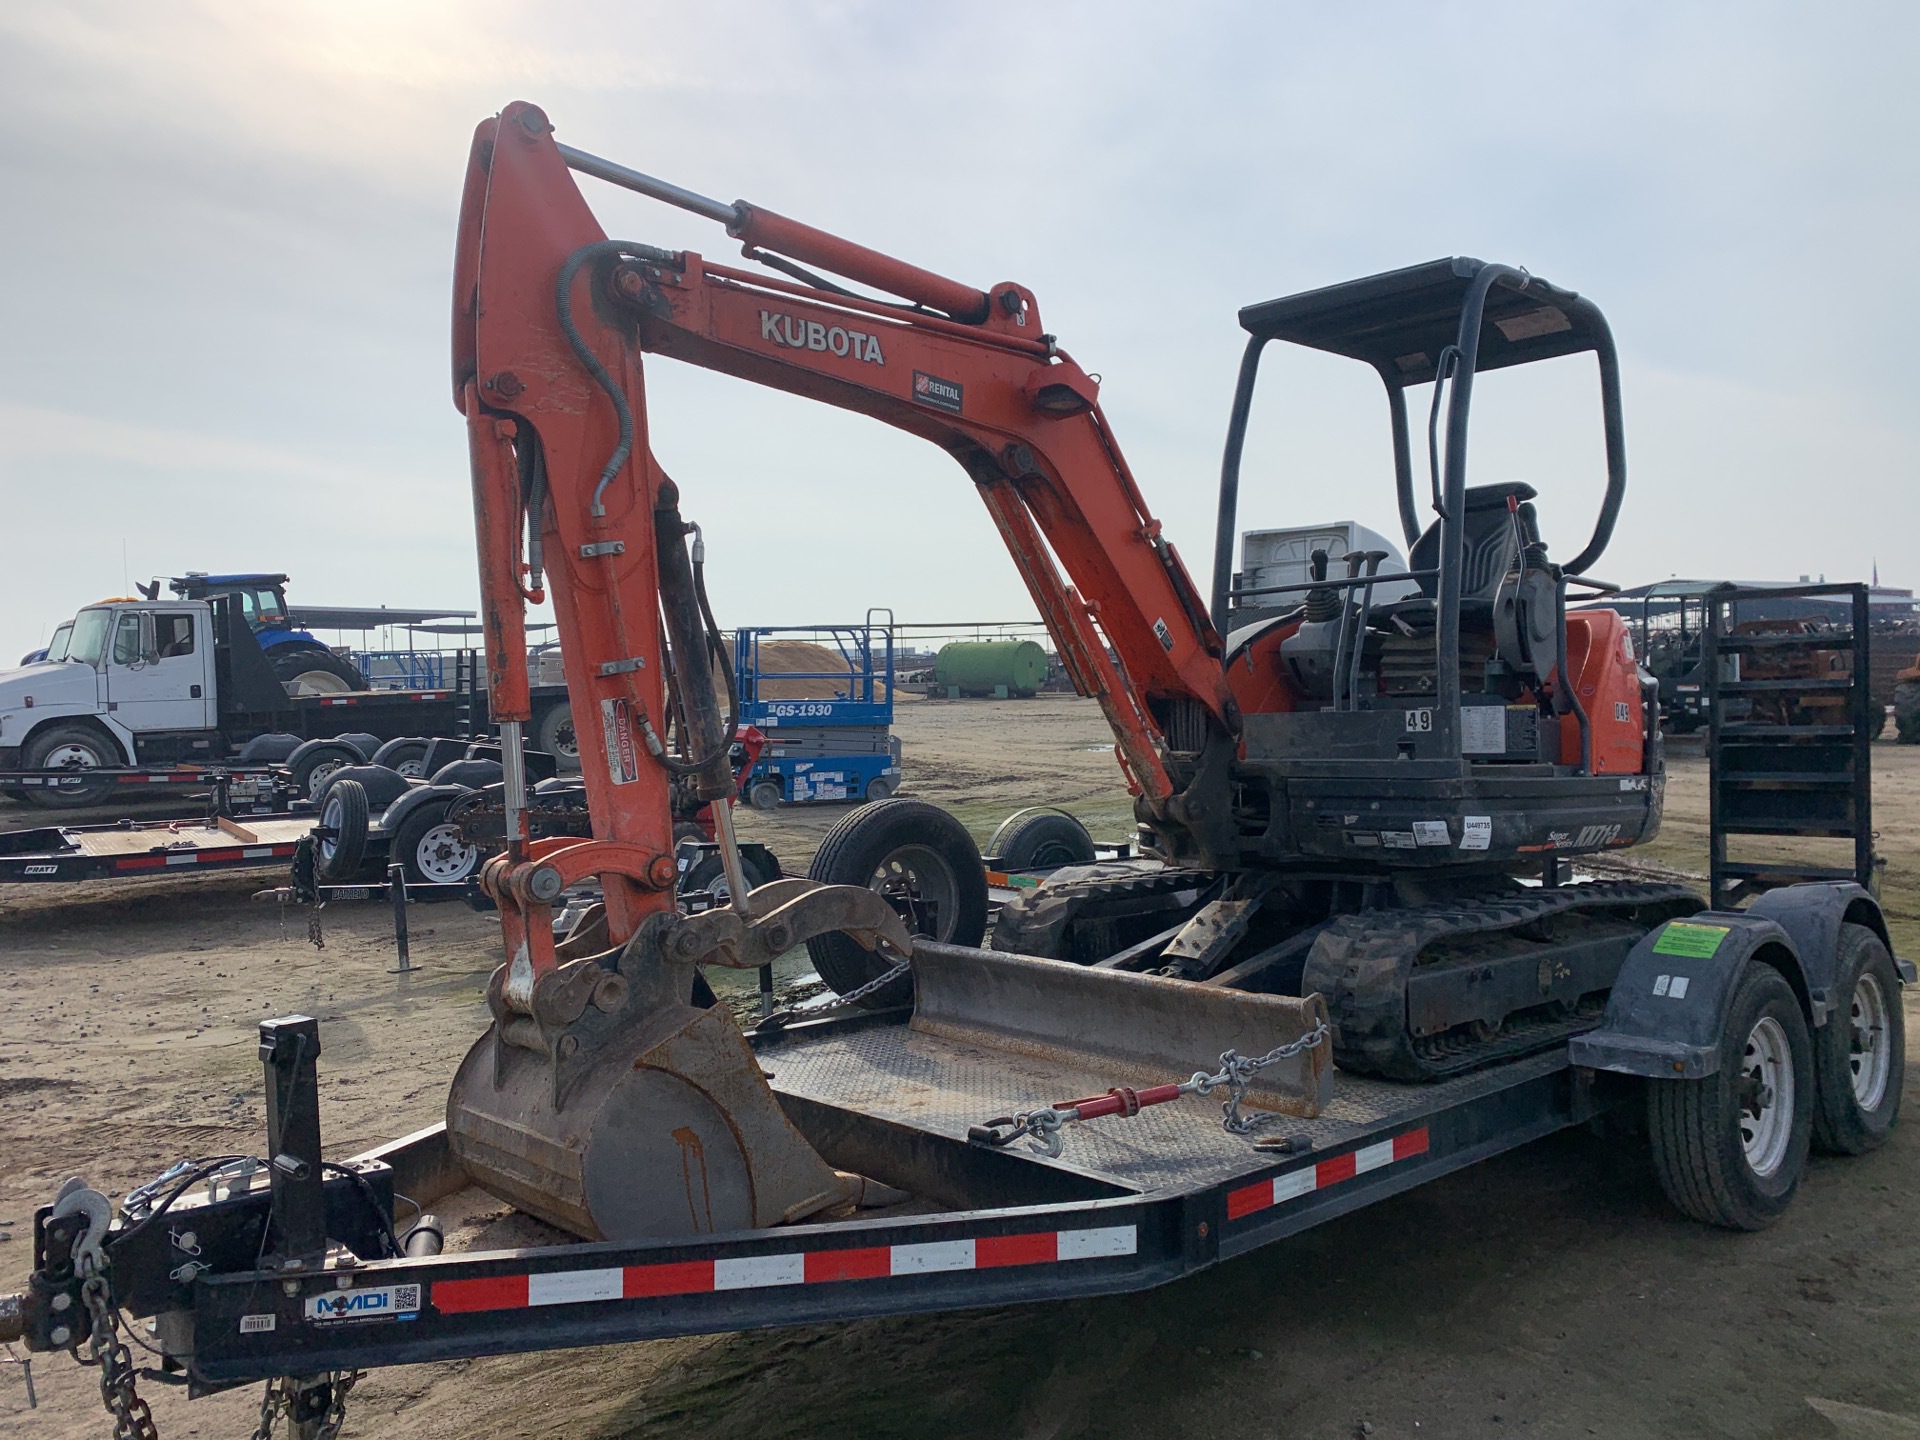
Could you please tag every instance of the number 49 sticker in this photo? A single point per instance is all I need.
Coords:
(1420, 721)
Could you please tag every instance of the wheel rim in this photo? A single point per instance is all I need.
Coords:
(1869, 1058)
(442, 856)
(566, 744)
(330, 815)
(71, 756)
(918, 882)
(316, 682)
(1766, 1097)
(319, 773)
(413, 769)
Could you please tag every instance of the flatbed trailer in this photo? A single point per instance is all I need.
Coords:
(250, 789)
(1130, 1201)
(61, 854)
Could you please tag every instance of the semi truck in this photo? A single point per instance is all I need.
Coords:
(168, 687)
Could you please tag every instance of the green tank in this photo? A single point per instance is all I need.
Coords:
(991, 667)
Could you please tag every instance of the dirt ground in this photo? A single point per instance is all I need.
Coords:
(1549, 1292)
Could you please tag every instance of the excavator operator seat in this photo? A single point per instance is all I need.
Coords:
(1489, 546)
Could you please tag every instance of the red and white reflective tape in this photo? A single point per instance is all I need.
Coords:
(759, 1272)
(202, 857)
(1295, 1183)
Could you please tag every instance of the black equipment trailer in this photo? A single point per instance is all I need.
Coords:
(301, 1268)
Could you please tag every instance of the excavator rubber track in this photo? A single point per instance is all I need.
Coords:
(1369, 965)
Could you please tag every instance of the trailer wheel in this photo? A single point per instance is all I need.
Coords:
(1730, 1148)
(765, 795)
(1860, 1057)
(314, 761)
(345, 813)
(558, 738)
(1040, 839)
(431, 849)
(926, 865)
(70, 747)
(709, 874)
(406, 756)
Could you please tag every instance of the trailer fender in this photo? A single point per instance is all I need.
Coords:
(1813, 914)
(414, 798)
(1668, 1008)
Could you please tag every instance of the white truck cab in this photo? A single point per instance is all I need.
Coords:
(130, 668)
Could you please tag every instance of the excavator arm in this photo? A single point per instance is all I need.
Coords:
(550, 322)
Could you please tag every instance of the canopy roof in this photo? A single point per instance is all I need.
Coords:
(1400, 321)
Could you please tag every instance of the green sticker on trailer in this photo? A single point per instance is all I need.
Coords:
(1694, 942)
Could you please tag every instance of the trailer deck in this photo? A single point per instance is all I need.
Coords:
(54, 853)
(1130, 1205)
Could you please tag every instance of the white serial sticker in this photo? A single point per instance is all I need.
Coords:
(1431, 832)
(256, 1324)
(1476, 832)
(1397, 839)
(1483, 729)
(346, 1307)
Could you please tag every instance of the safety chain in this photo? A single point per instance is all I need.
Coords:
(132, 1420)
(780, 1019)
(283, 1395)
(1042, 1127)
(305, 884)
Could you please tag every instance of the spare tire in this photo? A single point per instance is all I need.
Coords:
(381, 786)
(1039, 839)
(343, 812)
(923, 861)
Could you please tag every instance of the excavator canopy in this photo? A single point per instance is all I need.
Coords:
(1400, 321)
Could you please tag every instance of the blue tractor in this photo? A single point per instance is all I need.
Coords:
(299, 661)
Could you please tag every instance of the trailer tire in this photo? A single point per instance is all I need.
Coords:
(765, 795)
(70, 747)
(310, 765)
(381, 786)
(920, 858)
(406, 756)
(1041, 839)
(429, 848)
(709, 874)
(1719, 1159)
(555, 735)
(313, 670)
(344, 810)
(1859, 1056)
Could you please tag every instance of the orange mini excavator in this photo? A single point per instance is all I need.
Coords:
(1356, 807)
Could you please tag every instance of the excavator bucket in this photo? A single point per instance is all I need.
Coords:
(1141, 1029)
(618, 1109)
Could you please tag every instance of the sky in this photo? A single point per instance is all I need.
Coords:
(227, 233)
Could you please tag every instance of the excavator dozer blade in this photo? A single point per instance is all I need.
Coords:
(1141, 1029)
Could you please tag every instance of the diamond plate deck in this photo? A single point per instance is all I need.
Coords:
(941, 1087)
